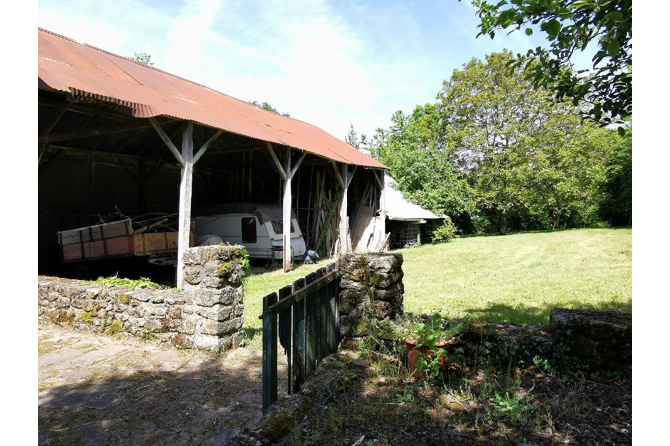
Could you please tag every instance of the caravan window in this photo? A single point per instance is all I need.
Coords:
(249, 230)
(278, 227)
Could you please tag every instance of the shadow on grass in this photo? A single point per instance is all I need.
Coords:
(540, 231)
(205, 405)
(251, 332)
(538, 315)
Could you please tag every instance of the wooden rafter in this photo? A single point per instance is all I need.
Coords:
(54, 120)
(278, 165)
(206, 145)
(337, 175)
(83, 110)
(98, 131)
(132, 174)
(51, 160)
(168, 142)
(377, 180)
(297, 164)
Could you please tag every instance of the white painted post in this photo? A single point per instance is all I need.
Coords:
(286, 207)
(286, 174)
(185, 191)
(382, 211)
(344, 246)
(186, 159)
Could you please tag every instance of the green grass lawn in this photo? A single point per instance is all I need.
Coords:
(520, 278)
(516, 278)
(262, 283)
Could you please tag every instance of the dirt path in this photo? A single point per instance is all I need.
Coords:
(95, 389)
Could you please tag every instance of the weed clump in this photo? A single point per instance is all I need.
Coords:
(142, 283)
(87, 316)
(115, 328)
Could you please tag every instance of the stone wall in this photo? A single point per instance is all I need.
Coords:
(600, 339)
(206, 315)
(371, 287)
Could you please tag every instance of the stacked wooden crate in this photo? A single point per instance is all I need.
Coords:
(108, 240)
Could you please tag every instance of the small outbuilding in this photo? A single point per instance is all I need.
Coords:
(406, 221)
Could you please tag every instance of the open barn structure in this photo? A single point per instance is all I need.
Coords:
(118, 136)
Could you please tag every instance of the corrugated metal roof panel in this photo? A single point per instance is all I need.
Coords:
(398, 208)
(82, 70)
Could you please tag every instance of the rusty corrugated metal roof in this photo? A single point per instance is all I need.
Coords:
(88, 73)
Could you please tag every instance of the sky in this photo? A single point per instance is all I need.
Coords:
(329, 63)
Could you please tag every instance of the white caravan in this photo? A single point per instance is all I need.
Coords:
(259, 227)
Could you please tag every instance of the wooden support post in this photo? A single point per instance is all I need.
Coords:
(343, 210)
(187, 160)
(286, 207)
(380, 228)
(382, 211)
(344, 177)
(185, 191)
(286, 173)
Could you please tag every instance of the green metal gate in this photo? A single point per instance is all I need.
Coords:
(306, 317)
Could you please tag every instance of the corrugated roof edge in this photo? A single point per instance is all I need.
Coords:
(275, 115)
(177, 77)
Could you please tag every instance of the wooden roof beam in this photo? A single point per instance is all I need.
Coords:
(98, 131)
(76, 108)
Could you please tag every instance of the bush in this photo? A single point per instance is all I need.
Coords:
(445, 233)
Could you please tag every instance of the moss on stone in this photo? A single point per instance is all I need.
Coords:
(124, 298)
(343, 358)
(225, 269)
(60, 316)
(345, 381)
(277, 425)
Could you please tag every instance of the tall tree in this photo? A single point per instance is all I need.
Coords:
(352, 137)
(495, 153)
(570, 26)
(616, 206)
(414, 150)
(497, 124)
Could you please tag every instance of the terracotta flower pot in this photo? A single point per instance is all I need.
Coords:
(413, 357)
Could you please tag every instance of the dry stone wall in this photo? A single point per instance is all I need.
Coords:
(371, 287)
(206, 315)
(600, 339)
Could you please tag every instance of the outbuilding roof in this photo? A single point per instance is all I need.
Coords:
(399, 208)
(88, 73)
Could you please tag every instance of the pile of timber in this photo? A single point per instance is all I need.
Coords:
(324, 231)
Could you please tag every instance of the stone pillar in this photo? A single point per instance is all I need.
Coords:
(371, 287)
(214, 296)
